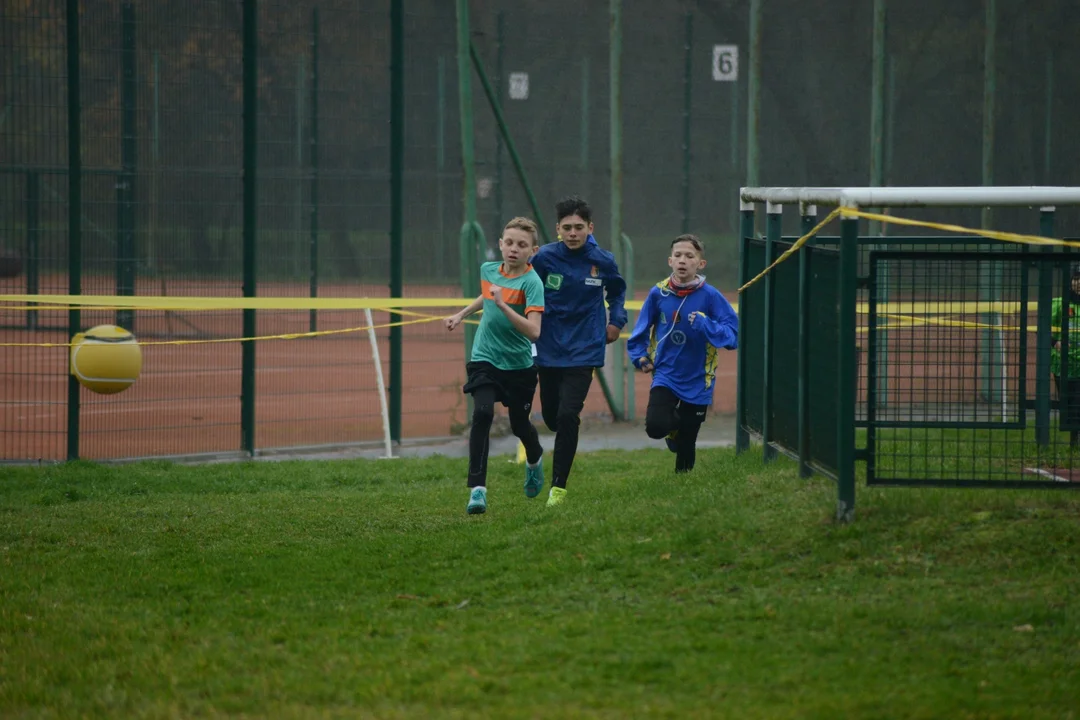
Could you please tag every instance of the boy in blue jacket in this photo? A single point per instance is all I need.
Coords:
(577, 274)
(682, 323)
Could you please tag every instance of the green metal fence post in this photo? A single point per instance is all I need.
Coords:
(991, 282)
(628, 275)
(397, 201)
(313, 243)
(989, 102)
(808, 214)
(736, 155)
(467, 241)
(74, 117)
(468, 155)
(125, 188)
(470, 241)
(300, 101)
(504, 133)
(687, 104)
(845, 368)
(890, 122)
(440, 165)
(153, 251)
(616, 153)
(1049, 117)
(878, 141)
(773, 230)
(1042, 333)
(500, 76)
(746, 231)
(583, 151)
(250, 215)
(753, 105)
(33, 243)
(877, 105)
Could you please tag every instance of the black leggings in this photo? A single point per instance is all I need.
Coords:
(484, 399)
(562, 398)
(667, 413)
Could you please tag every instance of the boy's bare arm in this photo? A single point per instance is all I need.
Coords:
(454, 320)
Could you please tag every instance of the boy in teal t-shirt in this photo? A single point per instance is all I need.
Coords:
(501, 368)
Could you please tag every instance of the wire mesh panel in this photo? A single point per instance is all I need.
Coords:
(938, 327)
(432, 404)
(957, 414)
(33, 226)
(161, 213)
(162, 108)
(323, 216)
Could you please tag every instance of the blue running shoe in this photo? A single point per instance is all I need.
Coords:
(534, 478)
(477, 501)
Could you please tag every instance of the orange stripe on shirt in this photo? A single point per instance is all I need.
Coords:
(534, 308)
(511, 296)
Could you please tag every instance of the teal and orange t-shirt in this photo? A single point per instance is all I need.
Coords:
(498, 341)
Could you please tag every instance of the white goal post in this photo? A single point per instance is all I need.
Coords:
(895, 197)
(807, 199)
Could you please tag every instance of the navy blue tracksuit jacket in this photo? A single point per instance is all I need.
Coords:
(574, 332)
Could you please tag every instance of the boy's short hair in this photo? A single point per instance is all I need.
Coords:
(692, 239)
(523, 223)
(573, 205)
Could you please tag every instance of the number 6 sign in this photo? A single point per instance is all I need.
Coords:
(725, 63)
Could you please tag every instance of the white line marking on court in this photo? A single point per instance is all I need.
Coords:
(1047, 473)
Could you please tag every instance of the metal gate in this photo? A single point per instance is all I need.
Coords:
(966, 382)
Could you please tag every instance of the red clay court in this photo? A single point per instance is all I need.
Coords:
(309, 391)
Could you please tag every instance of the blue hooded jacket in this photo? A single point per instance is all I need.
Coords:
(683, 353)
(574, 331)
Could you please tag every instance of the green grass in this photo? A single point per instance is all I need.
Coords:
(345, 589)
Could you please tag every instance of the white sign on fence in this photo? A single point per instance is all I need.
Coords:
(519, 86)
(725, 63)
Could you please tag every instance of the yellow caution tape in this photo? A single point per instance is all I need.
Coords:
(992, 234)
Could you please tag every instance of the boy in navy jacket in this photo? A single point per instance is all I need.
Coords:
(682, 323)
(577, 274)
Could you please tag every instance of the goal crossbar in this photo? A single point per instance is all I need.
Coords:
(895, 197)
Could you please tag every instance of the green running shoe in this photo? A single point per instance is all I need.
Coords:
(534, 478)
(556, 496)
(477, 501)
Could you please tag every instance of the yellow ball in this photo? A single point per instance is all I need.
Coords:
(106, 359)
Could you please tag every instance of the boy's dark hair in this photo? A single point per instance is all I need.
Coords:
(692, 239)
(573, 205)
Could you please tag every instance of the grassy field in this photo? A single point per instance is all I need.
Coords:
(362, 589)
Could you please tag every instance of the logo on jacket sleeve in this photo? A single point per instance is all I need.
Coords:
(553, 282)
